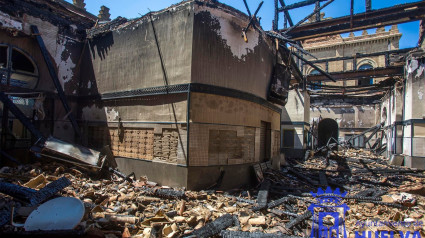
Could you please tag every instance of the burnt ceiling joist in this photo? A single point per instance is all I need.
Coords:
(400, 52)
(360, 74)
(344, 100)
(371, 19)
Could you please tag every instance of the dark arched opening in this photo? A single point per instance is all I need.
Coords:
(327, 128)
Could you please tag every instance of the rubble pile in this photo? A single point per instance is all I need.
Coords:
(119, 206)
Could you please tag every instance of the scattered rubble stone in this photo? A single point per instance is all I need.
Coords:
(277, 207)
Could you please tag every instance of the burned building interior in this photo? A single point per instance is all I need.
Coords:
(194, 121)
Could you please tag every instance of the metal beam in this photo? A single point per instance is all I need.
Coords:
(55, 79)
(372, 19)
(299, 4)
(360, 74)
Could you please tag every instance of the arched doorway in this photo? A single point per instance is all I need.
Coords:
(327, 128)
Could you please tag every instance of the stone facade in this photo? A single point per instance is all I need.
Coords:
(352, 119)
(338, 46)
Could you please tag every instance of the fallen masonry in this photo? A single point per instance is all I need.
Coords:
(276, 207)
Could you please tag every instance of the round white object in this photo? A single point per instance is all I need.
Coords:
(62, 213)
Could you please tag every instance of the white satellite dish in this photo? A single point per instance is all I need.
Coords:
(63, 213)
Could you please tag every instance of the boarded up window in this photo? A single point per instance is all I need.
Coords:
(227, 147)
(265, 140)
(288, 138)
(3, 57)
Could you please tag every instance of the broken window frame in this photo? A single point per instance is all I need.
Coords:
(362, 82)
(12, 78)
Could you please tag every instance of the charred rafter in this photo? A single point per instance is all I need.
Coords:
(361, 21)
(360, 74)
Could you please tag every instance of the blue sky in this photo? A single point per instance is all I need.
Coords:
(135, 8)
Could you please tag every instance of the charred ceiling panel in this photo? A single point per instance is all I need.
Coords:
(279, 85)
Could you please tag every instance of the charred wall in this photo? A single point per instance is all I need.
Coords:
(63, 33)
(128, 59)
(221, 57)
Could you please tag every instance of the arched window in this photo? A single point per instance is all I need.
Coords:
(17, 68)
(364, 82)
(315, 87)
(314, 72)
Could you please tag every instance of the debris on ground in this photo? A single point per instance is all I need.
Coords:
(120, 206)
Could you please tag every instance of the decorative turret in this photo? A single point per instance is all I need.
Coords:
(80, 4)
(394, 29)
(380, 29)
(104, 14)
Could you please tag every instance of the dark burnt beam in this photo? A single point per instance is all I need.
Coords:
(299, 4)
(360, 74)
(372, 19)
(358, 56)
(286, 13)
(340, 100)
(326, 75)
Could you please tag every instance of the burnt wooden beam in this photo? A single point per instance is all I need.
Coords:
(215, 227)
(165, 193)
(20, 116)
(276, 15)
(332, 100)
(322, 179)
(360, 74)
(286, 31)
(247, 8)
(55, 79)
(368, 4)
(263, 195)
(276, 203)
(253, 18)
(245, 234)
(299, 4)
(281, 213)
(361, 21)
(306, 215)
(32, 196)
(358, 55)
(21, 193)
(286, 13)
(324, 74)
(49, 190)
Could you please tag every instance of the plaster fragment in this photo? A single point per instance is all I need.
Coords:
(232, 37)
(7, 21)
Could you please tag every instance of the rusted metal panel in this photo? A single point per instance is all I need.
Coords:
(79, 153)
